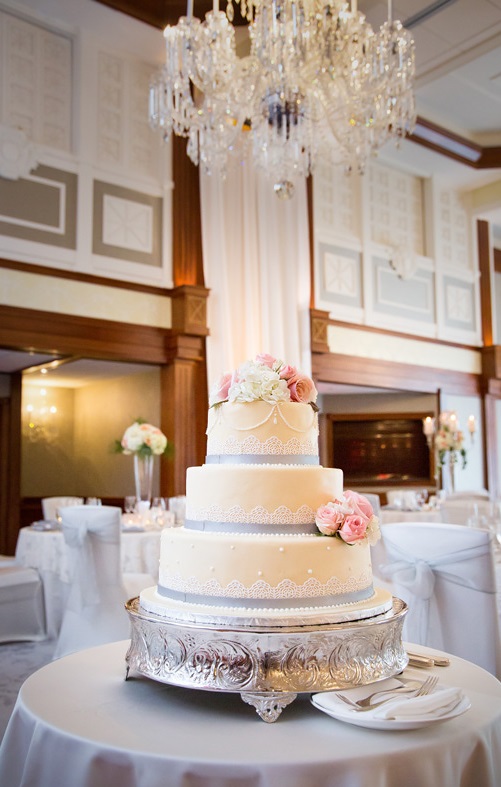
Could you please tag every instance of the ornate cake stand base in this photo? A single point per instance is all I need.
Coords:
(268, 667)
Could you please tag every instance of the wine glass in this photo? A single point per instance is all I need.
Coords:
(421, 497)
(129, 504)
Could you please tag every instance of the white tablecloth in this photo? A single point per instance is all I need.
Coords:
(47, 552)
(77, 722)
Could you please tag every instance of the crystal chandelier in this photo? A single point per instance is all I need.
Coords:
(318, 80)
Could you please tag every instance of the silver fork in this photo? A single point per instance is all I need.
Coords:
(362, 705)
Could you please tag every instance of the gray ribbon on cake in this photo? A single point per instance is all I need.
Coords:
(267, 603)
(262, 459)
(252, 528)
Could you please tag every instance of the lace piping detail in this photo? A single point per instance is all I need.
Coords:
(251, 445)
(261, 589)
(258, 515)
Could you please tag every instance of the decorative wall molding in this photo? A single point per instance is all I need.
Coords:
(37, 73)
(127, 224)
(41, 207)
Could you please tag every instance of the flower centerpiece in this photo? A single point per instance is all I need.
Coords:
(266, 378)
(144, 441)
(350, 518)
(449, 444)
(449, 440)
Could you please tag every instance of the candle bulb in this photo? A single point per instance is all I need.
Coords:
(428, 425)
(354, 7)
(189, 12)
(471, 424)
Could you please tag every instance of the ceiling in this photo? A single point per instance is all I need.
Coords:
(49, 370)
(458, 88)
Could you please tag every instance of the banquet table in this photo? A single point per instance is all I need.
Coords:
(389, 514)
(77, 721)
(46, 551)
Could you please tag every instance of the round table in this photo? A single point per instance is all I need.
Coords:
(77, 721)
(46, 551)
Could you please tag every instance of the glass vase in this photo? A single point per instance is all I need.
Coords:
(448, 480)
(143, 477)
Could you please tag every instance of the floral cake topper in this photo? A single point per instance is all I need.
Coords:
(350, 518)
(266, 378)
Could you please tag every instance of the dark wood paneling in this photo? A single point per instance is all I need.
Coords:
(184, 418)
(10, 466)
(486, 288)
(379, 449)
(346, 369)
(443, 141)
(186, 218)
(61, 334)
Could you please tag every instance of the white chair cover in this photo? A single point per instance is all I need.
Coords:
(445, 573)
(22, 614)
(95, 612)
(50, 505)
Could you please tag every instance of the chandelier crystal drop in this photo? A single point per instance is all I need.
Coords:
(318, 81)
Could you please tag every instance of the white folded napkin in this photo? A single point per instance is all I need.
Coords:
(438, 703)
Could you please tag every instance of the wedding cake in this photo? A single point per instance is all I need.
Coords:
(270, 538)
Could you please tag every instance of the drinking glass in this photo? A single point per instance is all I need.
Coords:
(421, 497)
(93, 501)
(129, 504)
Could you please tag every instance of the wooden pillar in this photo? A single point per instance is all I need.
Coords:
(10, 466)
(184, 379)
(486, 283)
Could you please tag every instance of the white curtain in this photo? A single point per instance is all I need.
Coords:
(257, 266)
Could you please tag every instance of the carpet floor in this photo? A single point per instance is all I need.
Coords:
(18, 660)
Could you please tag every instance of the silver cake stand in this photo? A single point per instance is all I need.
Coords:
(268, 667)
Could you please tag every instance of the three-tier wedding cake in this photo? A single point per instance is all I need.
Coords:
(270, 538)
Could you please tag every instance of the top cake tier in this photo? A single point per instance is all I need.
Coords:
(260, 432)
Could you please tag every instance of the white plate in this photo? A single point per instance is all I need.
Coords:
(342, 712)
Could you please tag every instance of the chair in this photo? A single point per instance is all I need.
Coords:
(50, 505)
(95, 612)
(446, 575)
(22, 616)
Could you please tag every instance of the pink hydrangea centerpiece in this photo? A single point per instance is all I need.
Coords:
(266, 378)
(350, 518)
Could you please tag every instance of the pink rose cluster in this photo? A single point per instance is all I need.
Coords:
(350, 518)
(266, 378)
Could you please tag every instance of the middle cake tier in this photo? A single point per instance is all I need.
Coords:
(258, 498)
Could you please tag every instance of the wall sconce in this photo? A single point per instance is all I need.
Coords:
(41, 424)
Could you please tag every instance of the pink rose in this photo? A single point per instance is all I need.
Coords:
(287, 371)
(220, 390)
(266, 359)
(359, 504)
(302, 389)
(328, 518)
(353, 529)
